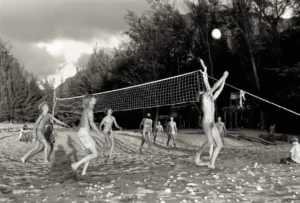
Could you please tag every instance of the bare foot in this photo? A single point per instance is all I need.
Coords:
(47, 162)
(211, 166)
(83, 173)
(139, 152)
(23, 160)
(201, 163)
(74, 168)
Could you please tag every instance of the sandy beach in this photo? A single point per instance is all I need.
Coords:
(245, 172)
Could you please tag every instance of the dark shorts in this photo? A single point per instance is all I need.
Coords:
(288, 160)
(49, 134)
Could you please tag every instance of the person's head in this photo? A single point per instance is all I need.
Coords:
(88, 101)
(43, 107)
(109, 111)
(294, 139)
(219, 119)
(171, 118)
(158, 122)
(148, 115)
(25, 127)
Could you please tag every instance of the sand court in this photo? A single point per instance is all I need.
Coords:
(244, 168)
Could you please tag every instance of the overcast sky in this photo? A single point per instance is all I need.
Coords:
(52, 37)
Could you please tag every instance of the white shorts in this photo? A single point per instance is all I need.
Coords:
(171, 133)
(85, 138)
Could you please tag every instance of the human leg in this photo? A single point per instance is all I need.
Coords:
(37, 148)
(46, 150)
(219, 144)
(93, 155)
(142, 143)
(208, 133)
(112, 144)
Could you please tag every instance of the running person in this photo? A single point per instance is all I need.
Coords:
(171, 131)
(208, 121)
(159, 130)
(108, 122)
(39, 130)
(146, 126)
(86, 140)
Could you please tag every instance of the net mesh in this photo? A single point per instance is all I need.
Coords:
(170, 91)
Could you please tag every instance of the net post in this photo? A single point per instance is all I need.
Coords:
(54, 102)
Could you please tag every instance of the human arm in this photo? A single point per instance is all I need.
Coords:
(219, 84)
(58, 121)
(101, 124)
(175, 127)
(225, 130)
(204, 75)
(36, 125)
(115, 122)
(90, 116)
(142, 123)
(20, 134)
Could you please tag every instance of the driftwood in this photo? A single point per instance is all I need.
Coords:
(251, 139)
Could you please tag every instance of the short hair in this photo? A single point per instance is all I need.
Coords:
(25, 127)
(87, 100)
(294, 139)
(106, 110)
(41, 105)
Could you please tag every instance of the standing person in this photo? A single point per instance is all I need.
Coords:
(86, 140)
(208, 121)
(221, 127)
(159, 130)
(39, 129)
(108, 122)
(50, 135)
(171, 131)
(222, 130)
(146, 126)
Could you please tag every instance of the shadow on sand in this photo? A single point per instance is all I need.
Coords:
(61, 170)
(71, 144)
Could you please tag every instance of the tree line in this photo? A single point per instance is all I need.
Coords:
(20, 91)
(258, 48)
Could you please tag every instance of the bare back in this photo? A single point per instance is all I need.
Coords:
(208, 108)
(84, 121)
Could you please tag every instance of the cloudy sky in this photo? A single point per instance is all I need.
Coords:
(51, 37)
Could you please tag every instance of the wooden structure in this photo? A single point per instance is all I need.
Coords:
(235, 111)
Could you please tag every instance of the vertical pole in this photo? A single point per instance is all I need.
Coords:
(54, 102)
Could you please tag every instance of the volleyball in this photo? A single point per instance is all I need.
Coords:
(216, 34)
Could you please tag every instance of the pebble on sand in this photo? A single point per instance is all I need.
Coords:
(168, 190)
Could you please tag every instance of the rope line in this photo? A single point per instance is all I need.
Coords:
(257, 97)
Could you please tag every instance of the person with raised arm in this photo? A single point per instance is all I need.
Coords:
(38, 133)
(208, 121)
